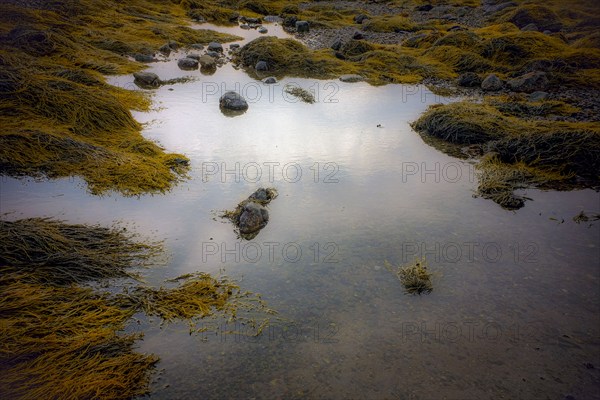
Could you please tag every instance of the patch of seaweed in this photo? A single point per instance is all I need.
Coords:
(300, 93)
(415, 277)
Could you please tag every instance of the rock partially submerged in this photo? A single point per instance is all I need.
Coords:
(251, 215)
(146, 79)
(351, 78)
(233, 101)
(187, 63)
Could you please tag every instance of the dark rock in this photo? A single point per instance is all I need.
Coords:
(302, 26)
(424, 8)
(254, 217)
(530, 28)
(213, 54)
(195, 56)
(251, 20)
(207, 62)
(469, 79)
(538, 96)
(492, 9)
(233, 101)
(197, 46)
(215, 46)
(492, 83)
(530, 82)
(358, 35)
(339, 55)
(262, 29)
(456, 28)
(144, 58)
(270, 80)
(245, 26)
(337, 44)
(261, 66)
(360, 18)
(187, 63)
(351, 78)
(165, 49)
(290, 21)
(273, 19)
(234, 46)
(146, 79)
(263, 195)
(234, 16)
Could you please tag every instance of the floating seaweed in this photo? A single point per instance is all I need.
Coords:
(415, 277)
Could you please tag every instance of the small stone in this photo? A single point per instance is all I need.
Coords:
(261, 66)
(360, 18)
(194, 56)
(234, 46)
(233, 101)
(351, 78)
(358, 36)
(213, 54)
(197, 46)
(302, 26)
(215, 46)
(469, 79)
(187, 63)
(262, 29)
(337, 44)
(144, 58)
(491, 83)
(146, 79)
(270, 80)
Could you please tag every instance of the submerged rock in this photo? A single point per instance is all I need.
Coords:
(262, 29)
(146, 79)
(233, 101)
(207, 62)
(491, 83)
(254, 217)
(270, 80)
(144, 58)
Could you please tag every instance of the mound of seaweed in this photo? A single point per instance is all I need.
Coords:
(58, 115)
(60, 340)
(521, 152)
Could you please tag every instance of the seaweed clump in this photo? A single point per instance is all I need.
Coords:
(415, 277)
(61, 340)
(59, 117)
(518, 152)
(300, 93)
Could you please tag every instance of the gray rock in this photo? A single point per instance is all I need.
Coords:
(302, 26)
(492, 9)
(290, 21)
(491, 83)
(530, 28)
(165, 49)
(234, 46)
(251, 20)
(254, 217)
(207, 62)
(195, 56)
(245, 26)
(144, 58)
(197, 46)
(351, 78)
(270, 80)
(213, 54)
(187, 63)
(262, 29)
(261, 66)
(424, 8)
(263, 195)
(337, 44)
(273, 18)
(358, 36)
(146, 79)
(469, 79)
(360, 18)
(538, 96)
(233, 101)
(528, 83)
(215, 46)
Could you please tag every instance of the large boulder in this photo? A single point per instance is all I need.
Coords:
(187, 63)
(492, 83)
(528, 83)
(146, 79)
(233, 101)
(253, 218)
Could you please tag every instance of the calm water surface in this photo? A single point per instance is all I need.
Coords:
(515, 307)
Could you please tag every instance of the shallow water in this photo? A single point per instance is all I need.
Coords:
(515, 308)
